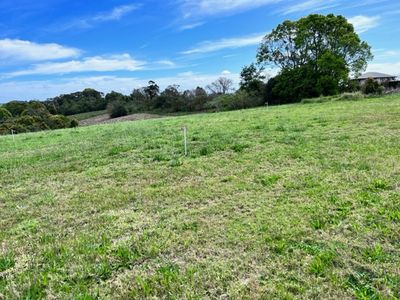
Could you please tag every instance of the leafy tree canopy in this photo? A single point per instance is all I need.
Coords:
(316, 54)
(4, 115)
(252, 79)
(304, 42)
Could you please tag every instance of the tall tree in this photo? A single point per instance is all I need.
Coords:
(152, 90)
(221, 86)
(294, 44)
(252, 79)
(316, 55)
(170, 99)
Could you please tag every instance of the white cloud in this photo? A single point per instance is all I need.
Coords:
(385, 54)
(122, 62)
(391, 53)
(190, 26)
(310, 5)
(113, 15)
(387, 68)
(364, 23)
(226, 72)
(166, 63)
(213, 7)
(116, 14)
(29, 51)
(228, 43)
(27, 90)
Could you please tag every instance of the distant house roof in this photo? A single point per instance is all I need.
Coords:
(375, 75)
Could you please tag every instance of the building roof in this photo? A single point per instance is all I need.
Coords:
(375, 75)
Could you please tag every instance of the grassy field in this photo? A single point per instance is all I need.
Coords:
(291, 202)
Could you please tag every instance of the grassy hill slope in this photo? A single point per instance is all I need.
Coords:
(299, 201)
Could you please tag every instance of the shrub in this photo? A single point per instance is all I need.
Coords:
(30, 123)
(58, 122)
(239, 100)
(371, 86)
(74, 123)
(352, 96)
(117, 109)
(4, 115)
(34, 117)
(343, 97)
(24, 124)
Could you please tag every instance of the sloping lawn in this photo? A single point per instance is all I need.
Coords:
(291, 202)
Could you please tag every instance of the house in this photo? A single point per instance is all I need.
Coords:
(379, 77)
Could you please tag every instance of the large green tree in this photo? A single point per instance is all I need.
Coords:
(316, 53)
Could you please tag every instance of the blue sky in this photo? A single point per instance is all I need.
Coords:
(50, 47)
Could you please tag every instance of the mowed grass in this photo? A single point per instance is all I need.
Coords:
(290, 202)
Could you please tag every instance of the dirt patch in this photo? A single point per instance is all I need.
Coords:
(105, 119)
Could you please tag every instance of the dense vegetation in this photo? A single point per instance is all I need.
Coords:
(80, 102)
(20, 117)
(288, 202)
(316, 55)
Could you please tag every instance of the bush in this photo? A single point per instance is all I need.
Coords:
(4, 115)
(117, 109)
(6, 128)
(31, 123)
(239, 100)
(74, 123)
(58, 122)
(352, 96)
(372, 87)
(23, 124)
(343, 97)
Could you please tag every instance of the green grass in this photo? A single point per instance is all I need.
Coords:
(88, 115)
(290, 202)
(356, 96)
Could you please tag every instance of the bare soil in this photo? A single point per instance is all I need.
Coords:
(105, 119)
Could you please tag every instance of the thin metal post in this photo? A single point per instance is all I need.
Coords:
(15, 152)
(185, 139)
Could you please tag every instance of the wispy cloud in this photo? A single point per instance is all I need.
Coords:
(122, 62)
(115, 14)
(190, 26)
(310, 5)
(364, 23)
(392, 68)
(29, 51)
(166, 63)
(391, 53)
(383, 55)
(193, 8)
(227, 43)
